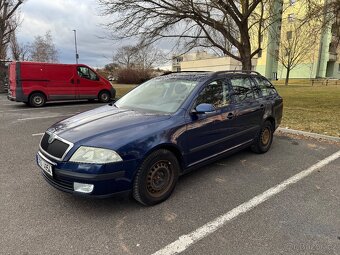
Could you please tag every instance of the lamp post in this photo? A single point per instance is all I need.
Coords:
(75, 44)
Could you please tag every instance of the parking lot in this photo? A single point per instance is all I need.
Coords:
(243, 204)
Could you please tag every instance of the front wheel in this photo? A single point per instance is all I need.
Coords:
(263, 139)
(104, 97)
(156, 178)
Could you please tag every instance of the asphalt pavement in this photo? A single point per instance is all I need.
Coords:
(302, 218)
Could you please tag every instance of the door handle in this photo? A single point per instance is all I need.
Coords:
(72, 81)
(230, 115)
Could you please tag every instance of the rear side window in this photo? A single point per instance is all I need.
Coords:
(242, 87)
(265, 86)
(215, 93)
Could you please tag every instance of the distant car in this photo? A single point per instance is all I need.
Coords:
(158, 131)
(37, 83)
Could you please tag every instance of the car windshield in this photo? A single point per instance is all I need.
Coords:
(160, 94)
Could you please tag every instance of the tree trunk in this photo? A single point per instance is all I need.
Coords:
(287, 77)
(246, 63)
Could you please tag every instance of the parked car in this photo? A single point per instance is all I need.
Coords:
(160, 130)
(37, 83)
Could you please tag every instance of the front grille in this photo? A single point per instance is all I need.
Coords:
(56, 149)
(57, 182)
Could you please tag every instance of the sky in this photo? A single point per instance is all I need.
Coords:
(61, 17)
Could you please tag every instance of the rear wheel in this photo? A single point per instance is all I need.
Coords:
(264, 138)
(104, 97)
(156, 178)
(37, 100)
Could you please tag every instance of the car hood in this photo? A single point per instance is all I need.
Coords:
(102, 121)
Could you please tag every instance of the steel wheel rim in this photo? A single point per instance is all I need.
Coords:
(159, 178)
(105, 97)
(265, 138)
(37, 100)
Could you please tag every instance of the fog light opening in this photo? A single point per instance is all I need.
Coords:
(83, 187)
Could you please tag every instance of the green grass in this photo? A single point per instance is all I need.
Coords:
(313, 109)
(122, 89)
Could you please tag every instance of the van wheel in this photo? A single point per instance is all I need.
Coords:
(104, 97)
(156, 178)
(37, 100)
(263, 139)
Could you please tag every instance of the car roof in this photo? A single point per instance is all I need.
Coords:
(210, 74)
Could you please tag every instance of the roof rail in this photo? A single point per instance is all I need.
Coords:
(171, 72)
(238, 71)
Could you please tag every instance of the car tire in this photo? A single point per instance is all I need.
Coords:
(37, 100)
(263, 139)
(104, 97)
(156, 178)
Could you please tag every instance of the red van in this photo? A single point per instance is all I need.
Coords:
(36, 83)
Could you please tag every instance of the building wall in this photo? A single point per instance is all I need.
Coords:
(212, 64)
(317, 63)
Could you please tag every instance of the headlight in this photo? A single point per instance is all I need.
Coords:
(86, 154)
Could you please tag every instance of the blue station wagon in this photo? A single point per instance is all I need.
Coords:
(162, 129)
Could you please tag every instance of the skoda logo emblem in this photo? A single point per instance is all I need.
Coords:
(51, 138)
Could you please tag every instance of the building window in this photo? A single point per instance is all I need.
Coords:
(261, 38)
(259, 55)
(291, 17)
(339, 68)
(292, 2)
(289, 35)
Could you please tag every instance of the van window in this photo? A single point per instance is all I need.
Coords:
(86, 73)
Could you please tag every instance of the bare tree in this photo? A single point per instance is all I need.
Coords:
(43, 49)
(20, 52)
(148, 56)
(297, 44)
(138, 56)
(126, 56)
(220, 24)
(8, 23)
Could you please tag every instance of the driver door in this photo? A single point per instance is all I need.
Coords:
(209, 134)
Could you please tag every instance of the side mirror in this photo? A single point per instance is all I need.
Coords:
(204, 108)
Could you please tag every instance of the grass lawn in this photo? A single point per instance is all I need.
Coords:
(122, 89)
(314, 109)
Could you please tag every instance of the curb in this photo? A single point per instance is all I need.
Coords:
(309, 134)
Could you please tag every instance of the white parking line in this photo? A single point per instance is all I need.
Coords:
(38, 134)
(185, 241)
(47, 117)
(51, 107)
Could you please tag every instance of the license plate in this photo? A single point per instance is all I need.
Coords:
(47, 167)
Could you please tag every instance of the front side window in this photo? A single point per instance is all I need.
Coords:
(215, 93)
(267, 89)
(86, 73)
(242, 88)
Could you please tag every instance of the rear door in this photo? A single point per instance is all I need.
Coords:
(249, 108)
(88, 83)
(270, 98)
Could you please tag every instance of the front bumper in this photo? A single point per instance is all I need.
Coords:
(11, 98)
(108, 179)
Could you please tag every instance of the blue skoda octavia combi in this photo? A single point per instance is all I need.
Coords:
(159, 131)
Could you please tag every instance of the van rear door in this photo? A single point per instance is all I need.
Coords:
(12, 80)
